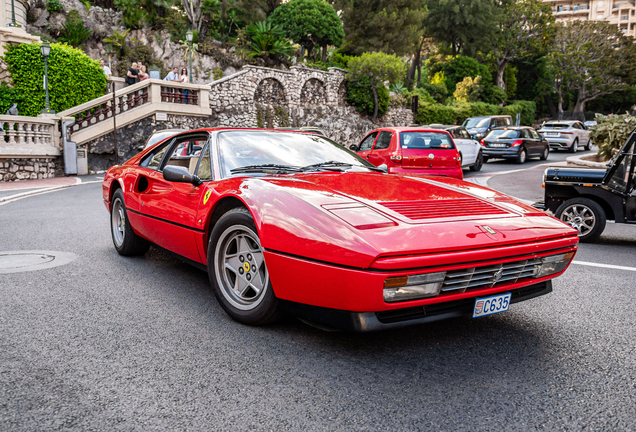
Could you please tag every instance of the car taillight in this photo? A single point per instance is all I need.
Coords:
(566, 133)
(483, 144)
(517, 143)
(396, 157)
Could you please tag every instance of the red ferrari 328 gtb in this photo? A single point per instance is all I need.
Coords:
(288, 222)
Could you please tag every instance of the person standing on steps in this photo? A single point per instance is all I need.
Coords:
(173, 75)
(132, 74)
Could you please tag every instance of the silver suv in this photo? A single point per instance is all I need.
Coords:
(567, 135)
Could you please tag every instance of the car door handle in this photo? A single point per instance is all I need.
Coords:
(368, 156)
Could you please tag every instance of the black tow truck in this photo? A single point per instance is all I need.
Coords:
(586, 198)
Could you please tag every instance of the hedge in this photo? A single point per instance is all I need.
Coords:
(8, 96)
(361, 97)
(457, 112)
(74, 78)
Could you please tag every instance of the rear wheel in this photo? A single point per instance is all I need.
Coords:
(589, 145)
(523, 155)
(126, 242)
(574, 147)
(545, 154)
(478, 163)
(237, 271)
(584, 215)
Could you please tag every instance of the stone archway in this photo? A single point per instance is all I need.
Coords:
(270, 91)
(342, 93)
(313, 92)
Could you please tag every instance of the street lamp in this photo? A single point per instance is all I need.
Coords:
(189, 35)
(12, 23)
(45, 49)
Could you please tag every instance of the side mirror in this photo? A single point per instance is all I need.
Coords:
(180, 174)
(384, 168)
(353, 147)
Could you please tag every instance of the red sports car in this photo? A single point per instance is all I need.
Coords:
(290, 222)
(412, 150)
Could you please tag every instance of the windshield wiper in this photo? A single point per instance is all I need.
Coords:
(329, 166)
(267, 168)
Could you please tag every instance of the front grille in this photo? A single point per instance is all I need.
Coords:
(489, 276)
(431, 209)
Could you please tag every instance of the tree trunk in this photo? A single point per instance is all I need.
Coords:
(550, 103)
(375, 101)
(324, 53)
(501, 69)
(560, 105)
(579, 107)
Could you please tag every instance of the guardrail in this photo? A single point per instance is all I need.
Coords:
(94, 118)
(22, 136)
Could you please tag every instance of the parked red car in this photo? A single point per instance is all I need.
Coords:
(290, 222)
(410, 150)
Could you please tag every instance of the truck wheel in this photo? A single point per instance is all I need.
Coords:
(574, 147)
(584, 215)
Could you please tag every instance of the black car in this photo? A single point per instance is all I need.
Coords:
(515, 142)
(585, 198)
(478, 127)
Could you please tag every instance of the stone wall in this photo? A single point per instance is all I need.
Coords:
(28, 169)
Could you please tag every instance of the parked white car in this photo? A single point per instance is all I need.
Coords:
(567, 135)
(469, 148)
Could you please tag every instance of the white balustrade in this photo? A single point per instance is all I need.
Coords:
(27, 136)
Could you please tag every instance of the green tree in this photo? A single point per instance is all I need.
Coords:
(463, 26)
(456, 68)
(468, 90)
(268, 40)
(593, 59)
(372, 69)
(310, 23)
(390, 26)
(524, 28)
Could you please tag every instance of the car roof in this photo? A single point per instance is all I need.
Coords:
(411, 129)
(491, 116)
(562, 122)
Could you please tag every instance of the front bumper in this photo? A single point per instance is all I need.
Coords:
(374, 321)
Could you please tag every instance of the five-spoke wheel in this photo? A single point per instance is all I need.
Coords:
(126, 241)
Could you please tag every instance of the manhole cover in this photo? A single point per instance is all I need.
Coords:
(22, 261)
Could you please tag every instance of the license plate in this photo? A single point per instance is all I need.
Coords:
(553, 134)
(491, 305)
(497, 145)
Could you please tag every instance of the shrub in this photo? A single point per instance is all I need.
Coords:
(74, 78)
(468, 90)
(8, 96)
(398, 101)
(611, 132)
(54, 6)
(361, 97)
(527, 109)
(458, 111)
(454, 69)
(438, 92)
(73, 32)
(217, 73)
(429, 113)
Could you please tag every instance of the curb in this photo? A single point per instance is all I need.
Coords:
(579, 161)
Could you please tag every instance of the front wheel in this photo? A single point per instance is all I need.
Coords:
(584, 215)
(523, 155)
(126, 242)
(589, 145)
(237, 271)
(545, 154)
(478, 163)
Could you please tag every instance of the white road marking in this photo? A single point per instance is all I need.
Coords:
(609, 266)
(13, 198)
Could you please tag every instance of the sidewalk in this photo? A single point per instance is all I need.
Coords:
(45, 183)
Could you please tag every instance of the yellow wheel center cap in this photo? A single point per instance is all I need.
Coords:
(246, 266)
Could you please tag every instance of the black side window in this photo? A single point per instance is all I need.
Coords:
(367, 143)
(153, 160)
(384, 141)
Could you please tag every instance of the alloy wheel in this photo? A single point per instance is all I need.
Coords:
(240, 267)
(118, 222)
(579, 217)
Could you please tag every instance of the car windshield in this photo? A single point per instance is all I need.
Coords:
(476, 123)
(555, 126)
(503, 133)
(251, 151)
(426, 140)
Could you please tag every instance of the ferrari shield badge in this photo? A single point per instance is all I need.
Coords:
(489, 230)
(206, 197)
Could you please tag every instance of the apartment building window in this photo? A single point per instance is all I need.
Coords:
(559, 8)
(601, 3)
(577, 7)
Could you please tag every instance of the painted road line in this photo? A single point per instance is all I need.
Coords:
(13, 198)
(609, 266)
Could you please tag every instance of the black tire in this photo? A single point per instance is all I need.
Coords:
(545, 153)
(576, 211)
(479, 162)
(126, 242)
(485, 158)
(589, 145)
(574, 147)
(461, 160)
(522, 157)
(256, 303)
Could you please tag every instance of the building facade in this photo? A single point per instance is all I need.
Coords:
(622, 13)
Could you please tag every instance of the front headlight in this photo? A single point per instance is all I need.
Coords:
(553, 264)
(402, 288)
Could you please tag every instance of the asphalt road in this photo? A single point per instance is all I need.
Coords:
(113, 343)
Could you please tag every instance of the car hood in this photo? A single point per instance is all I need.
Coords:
(355, 218)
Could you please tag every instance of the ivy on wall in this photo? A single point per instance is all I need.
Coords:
(74, 78)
